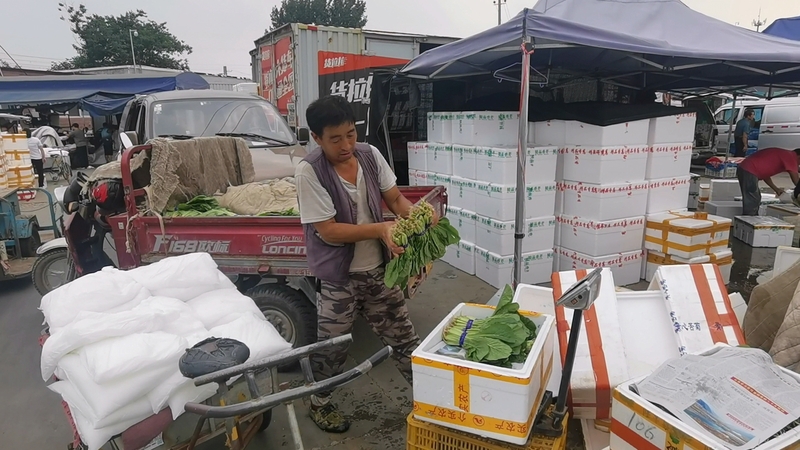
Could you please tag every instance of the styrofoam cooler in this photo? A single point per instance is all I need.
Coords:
(486, 128)
(439, 179)
(496, 270)
(604, 202)
(435, 131)
(674, 128)
(418, 156)
(769, 232)
(496, 164)
(668, 160)
(605, 165)
(540, 199)
(686, 234)
(446, 120)
(498, 236)
(422, 178)
(18, 158)
(497, 201)
(461, 256)
(596, 238)
(439, 158)
(540, 164)
(668, 194)
(550, 132)
(723, 259)
(464, 221)
(729, 209)
(412, 177)
(464, 161)
(626, 133)
(20, 176)
(462, 193)
(626, 266)
(724, 190)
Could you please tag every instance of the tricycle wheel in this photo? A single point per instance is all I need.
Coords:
(30, 244)
(291, 312)
(51, 270)
(266, 419)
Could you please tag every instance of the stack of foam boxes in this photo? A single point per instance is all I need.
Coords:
(3, 167)
(19, 171)
(474, 155)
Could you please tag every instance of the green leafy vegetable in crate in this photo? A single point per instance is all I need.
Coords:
(422, 240)
(504, 338)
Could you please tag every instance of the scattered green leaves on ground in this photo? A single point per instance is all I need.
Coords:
(504, 338)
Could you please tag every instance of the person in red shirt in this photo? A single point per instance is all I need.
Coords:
(763, 165)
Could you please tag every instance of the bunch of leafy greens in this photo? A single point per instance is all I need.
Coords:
(286, 213)
(423, 243)
(200, 206)
(504, 338)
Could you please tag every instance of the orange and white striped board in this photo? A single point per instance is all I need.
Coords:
(699, 307)
(637, 424)
(600, 363)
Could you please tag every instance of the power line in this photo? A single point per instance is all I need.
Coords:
(12, 58)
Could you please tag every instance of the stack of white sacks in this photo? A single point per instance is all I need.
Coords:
(474, 155)
(609, 180)
(116, 338)
(17, 167)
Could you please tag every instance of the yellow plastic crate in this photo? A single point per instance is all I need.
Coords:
(426, 436)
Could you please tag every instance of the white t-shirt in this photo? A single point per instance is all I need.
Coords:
(316, 206)
(35, 147)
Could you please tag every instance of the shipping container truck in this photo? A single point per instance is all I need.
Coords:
(295, 64)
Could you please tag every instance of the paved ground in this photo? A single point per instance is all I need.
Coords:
(380, 402)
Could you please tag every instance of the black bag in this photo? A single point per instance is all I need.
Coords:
(211, 355)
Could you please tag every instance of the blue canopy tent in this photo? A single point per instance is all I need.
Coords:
(787, 28)
(655, 45)
(100, 95)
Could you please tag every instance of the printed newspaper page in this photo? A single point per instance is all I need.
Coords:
(736, 396)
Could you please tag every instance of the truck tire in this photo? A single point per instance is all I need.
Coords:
(291, 312)
(43, 265)
(266, 419)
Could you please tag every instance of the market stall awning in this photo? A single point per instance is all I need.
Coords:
(97, 94)
(643, 44)
(787, 28)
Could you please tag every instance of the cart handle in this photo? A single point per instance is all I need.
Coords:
(272, 361)
(270, 401)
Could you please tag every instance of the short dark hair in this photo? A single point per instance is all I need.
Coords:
(28, 132)
(748, 111)
(329, 111)
(75, 125)
(797, 151)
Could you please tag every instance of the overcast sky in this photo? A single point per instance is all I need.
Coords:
(222, 33)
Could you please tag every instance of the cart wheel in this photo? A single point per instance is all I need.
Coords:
(54, 176)
(266, 419)
(51, 270)
(291, 312)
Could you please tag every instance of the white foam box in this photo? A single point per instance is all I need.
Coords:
(496, 164)
(462, 193)
(540, 199)
(758, 231)
(412, 177)
(603, 202)
(20, 176)
(605, 165)
(496, 201)
(687, 234)
(540, 164)
(14, 142)
(724, 190)
(668, 194)
(640, 424)
(540, 299)
(668, 160)
(474, 397)
(440, 158)
(705, 192)
(464, 221)
(785, 257)
(699, 307)
(439, 179)
(486, 128)
(421, 178)
(464, 161)
(781, 211)
(595, 238)
(729, 209)
(626, 133)
(418, 156)
(627, 266)
(674, 128)
(498, 236)
(550, 132)
(18, 158)
(461, 256)
(596, 370)
(723, 259)
(496, 270)
(435, 128)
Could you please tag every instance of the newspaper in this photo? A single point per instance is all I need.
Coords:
(736, 396)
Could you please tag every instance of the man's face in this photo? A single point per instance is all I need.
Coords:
(751, 116)
(338, 142)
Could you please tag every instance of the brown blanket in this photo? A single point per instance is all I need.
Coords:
(767, 308)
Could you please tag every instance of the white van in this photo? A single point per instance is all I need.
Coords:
(777, 122)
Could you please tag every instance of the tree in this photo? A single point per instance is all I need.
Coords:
(337, 13)
(104, 41)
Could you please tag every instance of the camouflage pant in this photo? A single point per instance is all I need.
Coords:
(383, 308)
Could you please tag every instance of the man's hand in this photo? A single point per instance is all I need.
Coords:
(386, 237)
(779, 191)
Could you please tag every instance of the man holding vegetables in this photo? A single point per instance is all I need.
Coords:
(340, 187)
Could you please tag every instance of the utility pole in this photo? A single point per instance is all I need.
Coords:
(499, 4)
(224, 71)
(758, 23)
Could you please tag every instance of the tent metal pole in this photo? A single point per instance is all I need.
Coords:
(522, 150)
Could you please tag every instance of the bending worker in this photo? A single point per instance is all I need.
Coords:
(340, 187)
(762, 166)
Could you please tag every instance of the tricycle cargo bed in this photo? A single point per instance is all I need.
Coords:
(241, 245)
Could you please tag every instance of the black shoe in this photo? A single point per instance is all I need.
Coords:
(328, 418)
